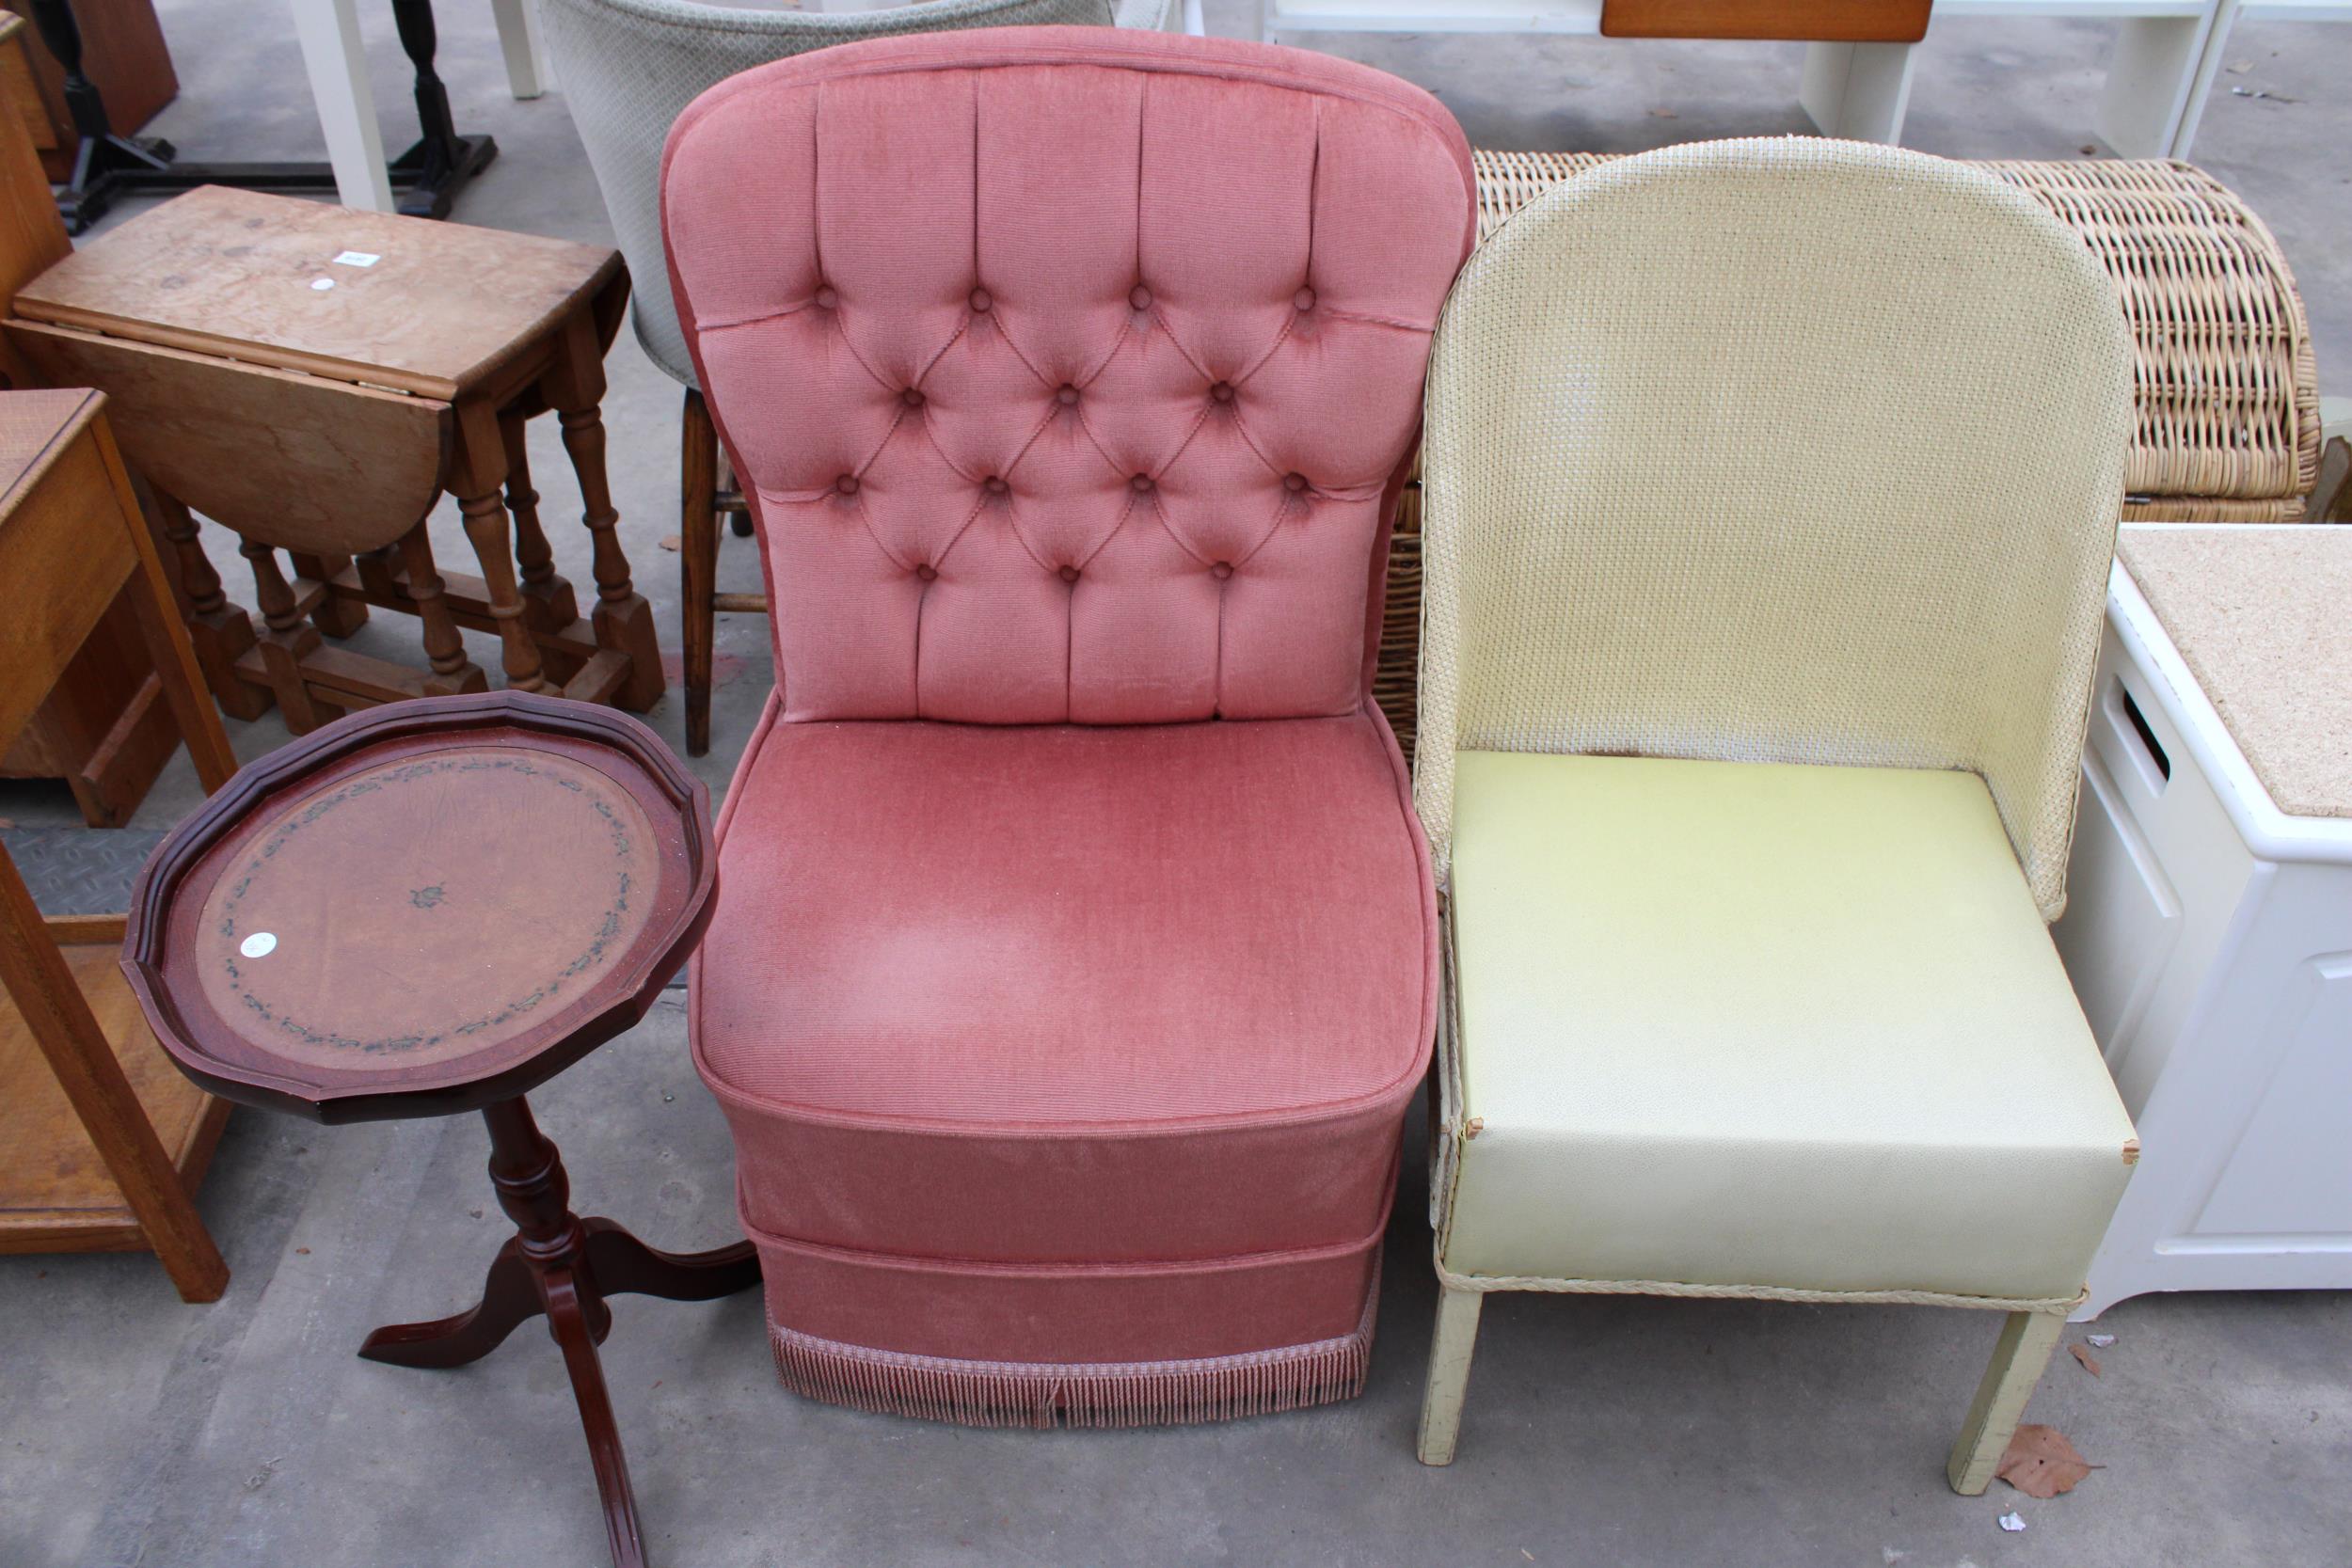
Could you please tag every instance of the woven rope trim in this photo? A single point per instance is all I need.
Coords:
(1486, 1283)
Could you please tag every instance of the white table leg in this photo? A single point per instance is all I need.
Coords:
(1195, 20)
(1857, 90)
(337, 68)
(518, 39)
(2157, 78)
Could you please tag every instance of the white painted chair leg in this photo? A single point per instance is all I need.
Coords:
(328, 31)
(1857, 90)
(2027, 1341)
(1449, 1373)
(2162, 68)
(1195, 20)
(518, 41)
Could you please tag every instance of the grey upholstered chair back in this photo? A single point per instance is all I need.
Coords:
(628, 66)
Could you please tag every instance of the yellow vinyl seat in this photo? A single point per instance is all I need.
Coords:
(1738, 1023)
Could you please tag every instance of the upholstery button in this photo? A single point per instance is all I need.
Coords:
(1067, 396)
(1140, 297)
(911, 397)
(1304, 299)
(980, 300)
(1140, 484)
(994, 485)
(847, 484)
(1222, 391)
(925, 571)
(827, 299)
(1222, 570)
(1294, 482)
(1070, 574)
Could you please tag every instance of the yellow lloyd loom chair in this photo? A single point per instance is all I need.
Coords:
(1771, 490)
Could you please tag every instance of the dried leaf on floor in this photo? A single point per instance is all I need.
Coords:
(670, 542)
(1663, 113)
(2040, 1462)
(2090, 1362)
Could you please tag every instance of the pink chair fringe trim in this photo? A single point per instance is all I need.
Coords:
(1045, 1394)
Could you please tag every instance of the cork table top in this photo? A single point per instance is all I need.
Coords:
(2258, 615)
(424, 910)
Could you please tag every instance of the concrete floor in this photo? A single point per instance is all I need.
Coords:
(134, 1430)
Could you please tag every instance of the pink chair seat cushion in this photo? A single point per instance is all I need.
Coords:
(1047, 995)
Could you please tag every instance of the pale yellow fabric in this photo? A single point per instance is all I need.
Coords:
(1757, 1025)
(1776, 450)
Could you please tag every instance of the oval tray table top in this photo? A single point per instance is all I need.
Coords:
(422, 907)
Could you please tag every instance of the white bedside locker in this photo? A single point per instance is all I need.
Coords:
(2209, 926)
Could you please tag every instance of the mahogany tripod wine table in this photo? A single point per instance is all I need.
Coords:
(356, 928)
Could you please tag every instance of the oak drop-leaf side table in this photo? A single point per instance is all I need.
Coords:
(313, 378)
(435, 906)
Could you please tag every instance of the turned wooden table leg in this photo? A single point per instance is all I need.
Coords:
(452, 672)
(547, 602)
(623, 621)
(286, 638)
(698, 562)
(220, 630)
(479, 475)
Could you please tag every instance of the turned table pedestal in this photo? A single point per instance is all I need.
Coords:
(360, 926)
(314, 378)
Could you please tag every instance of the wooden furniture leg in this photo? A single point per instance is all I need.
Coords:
(220, 631)
(568, 1322)
(478, 478)
(60, 1020)
(286, 638)
(698, 562)
(2018, 1359)
(547, 602)
(1450, 1351)
(166, 635)
(563, 1266)
(336, 615)
(452, 672)
(623, 619)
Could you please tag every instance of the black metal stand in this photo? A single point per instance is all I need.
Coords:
(106, 166)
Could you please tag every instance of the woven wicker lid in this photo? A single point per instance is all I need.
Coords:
(2257, 613)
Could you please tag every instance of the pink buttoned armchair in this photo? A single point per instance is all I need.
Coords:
(1076, 951)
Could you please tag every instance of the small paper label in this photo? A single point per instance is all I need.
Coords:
(259, 945)
(357, 259)
(321, 284)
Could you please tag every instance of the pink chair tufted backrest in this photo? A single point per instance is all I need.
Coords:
(1071, 374)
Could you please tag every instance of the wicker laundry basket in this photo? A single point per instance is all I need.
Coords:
(2227, 390)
